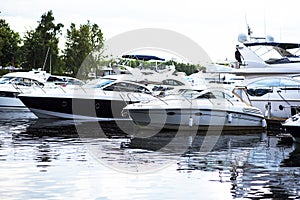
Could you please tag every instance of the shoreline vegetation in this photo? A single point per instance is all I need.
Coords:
(38, 48)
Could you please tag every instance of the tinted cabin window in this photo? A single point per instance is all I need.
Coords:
(136, 88)
(127, 87)
(104, 82)
(208, 95)
(172, 82)
(214, 95)
(22, 81)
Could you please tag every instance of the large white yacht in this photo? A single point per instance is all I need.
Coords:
(262, 56)
(277, 97)
(213, 108)
(102, 100)
(271, 70)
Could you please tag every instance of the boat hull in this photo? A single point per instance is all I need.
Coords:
(12, 103)
(195, 119)
(279, 109)
(74, 108)
(294, 131)
(292, 126)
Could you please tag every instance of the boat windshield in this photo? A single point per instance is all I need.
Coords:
(99, 83)
(190, 94)
(276, 54)
(172, 82)
(266, 52)
(242, 94)
(25, 82)
(266, 85)
(214, 94)
(63, 80)
(104, 82)
(127, 87)
(274, 82)
(5, 80)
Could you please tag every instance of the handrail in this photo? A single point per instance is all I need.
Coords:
(82, 89)
(278, 92)
(123, 99)
(17, 88)
(229, 101)
(161, 100)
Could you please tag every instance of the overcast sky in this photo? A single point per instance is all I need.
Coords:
(213, 24)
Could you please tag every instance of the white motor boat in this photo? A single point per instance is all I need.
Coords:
(277, 97)
(261, 57)
(15, 83)
(264, 57)
(292, 126)
(102, 100)
(213, 108)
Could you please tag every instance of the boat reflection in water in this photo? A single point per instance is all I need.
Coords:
(250, 164)
(257, 165)
(80, 128)
(292, 126)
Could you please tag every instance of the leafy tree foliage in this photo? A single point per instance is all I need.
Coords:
(42, 44)
(9, 41)
(188, 68)
(180, 67)
(83, 45)
(82, 53)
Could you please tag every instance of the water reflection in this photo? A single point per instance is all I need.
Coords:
(79, 128)
(257, 165)
(49, 153)
(293, 160)
(255, 168)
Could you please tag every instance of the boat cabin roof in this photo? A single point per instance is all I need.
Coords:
(143, 57)
(274, 44)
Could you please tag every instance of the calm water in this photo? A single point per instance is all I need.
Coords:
(44, 159)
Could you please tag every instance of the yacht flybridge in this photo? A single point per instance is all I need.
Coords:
(267, 57)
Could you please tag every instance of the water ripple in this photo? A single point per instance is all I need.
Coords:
(44, 161)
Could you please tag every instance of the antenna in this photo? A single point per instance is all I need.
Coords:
(265, 25)
(249, 31)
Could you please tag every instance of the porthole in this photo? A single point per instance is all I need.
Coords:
(281, 107)
(171, 113)
(64, 103)
(198, 114)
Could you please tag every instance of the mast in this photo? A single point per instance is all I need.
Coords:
(46, 58)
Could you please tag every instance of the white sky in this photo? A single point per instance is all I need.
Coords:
(213, 24)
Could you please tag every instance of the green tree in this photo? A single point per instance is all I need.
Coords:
(42, 44)
(82, 45)
(186, 67)
(9, 45)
